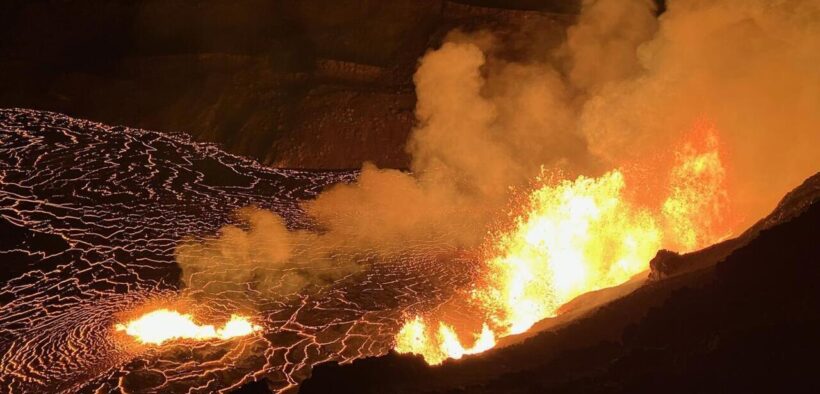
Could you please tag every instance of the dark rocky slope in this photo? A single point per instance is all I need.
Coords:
(793, 204)
(747, 324)
(311, 83)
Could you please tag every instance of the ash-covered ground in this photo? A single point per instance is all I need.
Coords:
(90, 216)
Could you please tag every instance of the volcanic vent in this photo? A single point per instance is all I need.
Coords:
(544, 177)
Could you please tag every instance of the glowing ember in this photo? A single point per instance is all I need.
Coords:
(576, 237)
(165, 325)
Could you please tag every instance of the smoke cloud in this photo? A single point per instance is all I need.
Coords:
(623, 88)
(748, 67)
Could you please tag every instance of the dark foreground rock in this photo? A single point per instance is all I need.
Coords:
(793, 204)
(747, 324)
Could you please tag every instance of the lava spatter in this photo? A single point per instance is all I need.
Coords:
(163, 325)
(578, 236)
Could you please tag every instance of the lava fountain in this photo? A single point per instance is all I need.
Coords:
(164, 325)
(577, 236)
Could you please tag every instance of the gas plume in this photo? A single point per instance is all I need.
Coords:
(623, 90)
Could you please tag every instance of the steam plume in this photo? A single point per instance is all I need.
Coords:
(622, 89)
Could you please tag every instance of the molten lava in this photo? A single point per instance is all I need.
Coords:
(413, 338)
(164, 325)
(694, 213)
(578, 236)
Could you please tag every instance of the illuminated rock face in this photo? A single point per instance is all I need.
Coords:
(266, 79)
(89, 218)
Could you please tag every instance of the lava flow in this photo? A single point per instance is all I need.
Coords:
(579, 236)
(164, 325)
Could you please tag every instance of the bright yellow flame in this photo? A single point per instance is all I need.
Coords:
(579, 236)
(696, 205)
(413, 338)
(576, 237)
(165, 325)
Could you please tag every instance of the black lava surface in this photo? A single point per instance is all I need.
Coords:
(90, 216)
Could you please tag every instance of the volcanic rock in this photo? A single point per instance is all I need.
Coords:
(663, 263)
(293, 83)
(793, 204)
